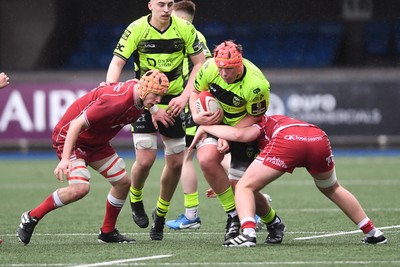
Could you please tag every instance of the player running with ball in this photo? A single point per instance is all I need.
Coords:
(243, 92)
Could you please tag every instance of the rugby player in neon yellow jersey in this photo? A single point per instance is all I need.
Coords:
(186, 9)
(243, 92)
(159, 41)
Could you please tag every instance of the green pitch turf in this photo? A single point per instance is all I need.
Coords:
(318, 234)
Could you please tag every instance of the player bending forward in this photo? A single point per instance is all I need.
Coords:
(82, 138)
(287, 143)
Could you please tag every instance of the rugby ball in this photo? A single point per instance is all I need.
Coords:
(207, 102)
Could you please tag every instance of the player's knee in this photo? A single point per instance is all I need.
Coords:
(173, 163)
(205, 163)
(78, 191)
(209, 164)
(144, 163)
(123, 183)
(145, 141)
(174, 145)
(326, 183)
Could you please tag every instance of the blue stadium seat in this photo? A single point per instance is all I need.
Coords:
(324, 46)
(295, 39)
(266, 44)
(96, 47)
(377, 38)
(243, 33)
(214, 32)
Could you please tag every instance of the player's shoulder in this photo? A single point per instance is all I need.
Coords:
(117, 88)
(210, 64)
(250, 65)
(181, 23)
(254, 71)
(131, 82)
(201, 36)
(184, 27)
(209, 67)
(208, 73)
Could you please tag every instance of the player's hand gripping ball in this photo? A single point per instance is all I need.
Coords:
(207, 102)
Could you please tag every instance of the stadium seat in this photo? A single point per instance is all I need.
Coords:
(294, 41)
(377, 38)
(323, 47)
(243, 33)
(214, 32)
(266, 44)
(96, 47)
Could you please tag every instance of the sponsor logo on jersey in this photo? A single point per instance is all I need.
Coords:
(329, 160)
(295, 137)
(212, 88)
(276, 161)
(126, 34)
(142, 118)
(236, 101)
(259, 108)
(120, 47)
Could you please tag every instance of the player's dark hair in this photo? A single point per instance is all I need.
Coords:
(185, 5)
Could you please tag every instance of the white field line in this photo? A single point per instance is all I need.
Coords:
(134, 261)
(258, 263)
(342, 233)
(273, 263)
(118, 262)
(193, 232)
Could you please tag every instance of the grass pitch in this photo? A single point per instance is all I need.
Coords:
(317, 234)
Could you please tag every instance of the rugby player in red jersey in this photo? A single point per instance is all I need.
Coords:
(82, 138)
(287, 143)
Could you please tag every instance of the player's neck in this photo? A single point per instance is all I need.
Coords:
(136, 98)
(160, 25)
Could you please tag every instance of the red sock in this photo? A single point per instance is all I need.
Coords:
(368, 227)
(45, 207)
(249, 224)
(110, 218)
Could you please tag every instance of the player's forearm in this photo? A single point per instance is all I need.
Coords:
(248, 120)
(192, 102)
(72, 136)
(190, 84)
(115, 69)
(230, 133)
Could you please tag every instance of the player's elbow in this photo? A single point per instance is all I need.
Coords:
(240, 136)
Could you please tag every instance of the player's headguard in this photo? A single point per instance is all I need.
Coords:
(153, 81)
(229, 55)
